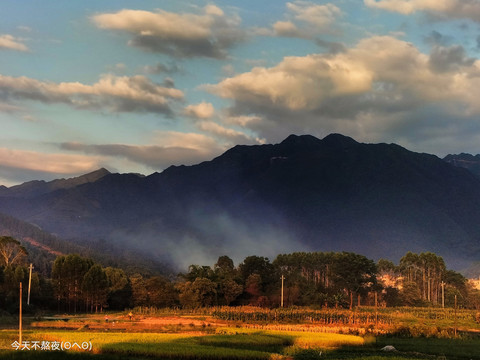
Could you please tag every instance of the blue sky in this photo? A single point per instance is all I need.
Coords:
(136, 86)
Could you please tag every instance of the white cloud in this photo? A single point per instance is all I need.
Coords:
(202, 110)
(223, 132)
(12, 43)
(319, 16)
(168, 148)
(114, 93)
(373, 89)
(242, 120)
(287, 29)
(209, 34)
(304, 19)
(461, 9)
(44, 162)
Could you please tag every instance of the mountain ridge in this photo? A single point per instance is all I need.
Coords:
(304, 193)
(40, 187)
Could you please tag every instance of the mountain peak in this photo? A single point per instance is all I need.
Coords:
(467, 161)
(95, 175)
(293, 140)
(339, 140)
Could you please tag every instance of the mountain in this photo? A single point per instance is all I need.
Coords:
(39, 187)
(466, 161)
(304, 193)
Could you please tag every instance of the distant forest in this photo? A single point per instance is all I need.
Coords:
(316, 279)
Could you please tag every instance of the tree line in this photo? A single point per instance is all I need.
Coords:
(316, 279)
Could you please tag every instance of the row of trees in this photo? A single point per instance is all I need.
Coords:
(321, 279)
(327, 279)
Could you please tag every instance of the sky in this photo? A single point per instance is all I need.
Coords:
(137, 86)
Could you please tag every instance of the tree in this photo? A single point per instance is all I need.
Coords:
(253, 287)
(258, 265)
(119, 289)
(197, 271)
(199, 293)
(11, 251)
(230, 290)
(354, 273)
(95, 287)
(411, 294)
(160, 292)
(67, 275)
(139, 290)
(224, 268)
(427, 270)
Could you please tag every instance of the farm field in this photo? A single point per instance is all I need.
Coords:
(205, 334)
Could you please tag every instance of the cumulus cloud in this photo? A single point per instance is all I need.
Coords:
(449, 58)
(304, 19)
(12, 43)
(203, 110)
(380, 88)
(113, 93)
(174, 148)
(208, 34)
(287, 29)
(319, 16)
(458, 9)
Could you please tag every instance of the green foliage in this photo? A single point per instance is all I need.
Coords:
(95, 286)
(119, 289)
(199, 293)
(257, 265)
(68, 274)
(230, 290)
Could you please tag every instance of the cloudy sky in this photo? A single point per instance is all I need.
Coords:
(136, 86)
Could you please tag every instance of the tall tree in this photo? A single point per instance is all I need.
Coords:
(258, 265)
(95, 288)
(354, 273)
(11, 251)
(224, 268)
(67, 276)
(119, 289)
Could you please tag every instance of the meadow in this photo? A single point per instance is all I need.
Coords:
(204, 334)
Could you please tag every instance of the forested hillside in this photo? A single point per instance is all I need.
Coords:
(43, 248)
(331, 194)
(314, 279)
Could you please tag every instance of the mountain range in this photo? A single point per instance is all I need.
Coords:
(303, 194)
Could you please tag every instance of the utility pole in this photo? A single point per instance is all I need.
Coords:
(455, 323)
(281, 301)
(443, 294)
(29, 284)
(20, 318)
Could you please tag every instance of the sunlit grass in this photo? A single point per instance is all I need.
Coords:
(228, 343)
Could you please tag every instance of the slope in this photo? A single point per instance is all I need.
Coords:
(379, 200)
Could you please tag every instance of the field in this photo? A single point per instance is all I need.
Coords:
(213, 334)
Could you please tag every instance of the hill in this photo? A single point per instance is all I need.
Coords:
(304, 193)
(43, 248)
(466, 161)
